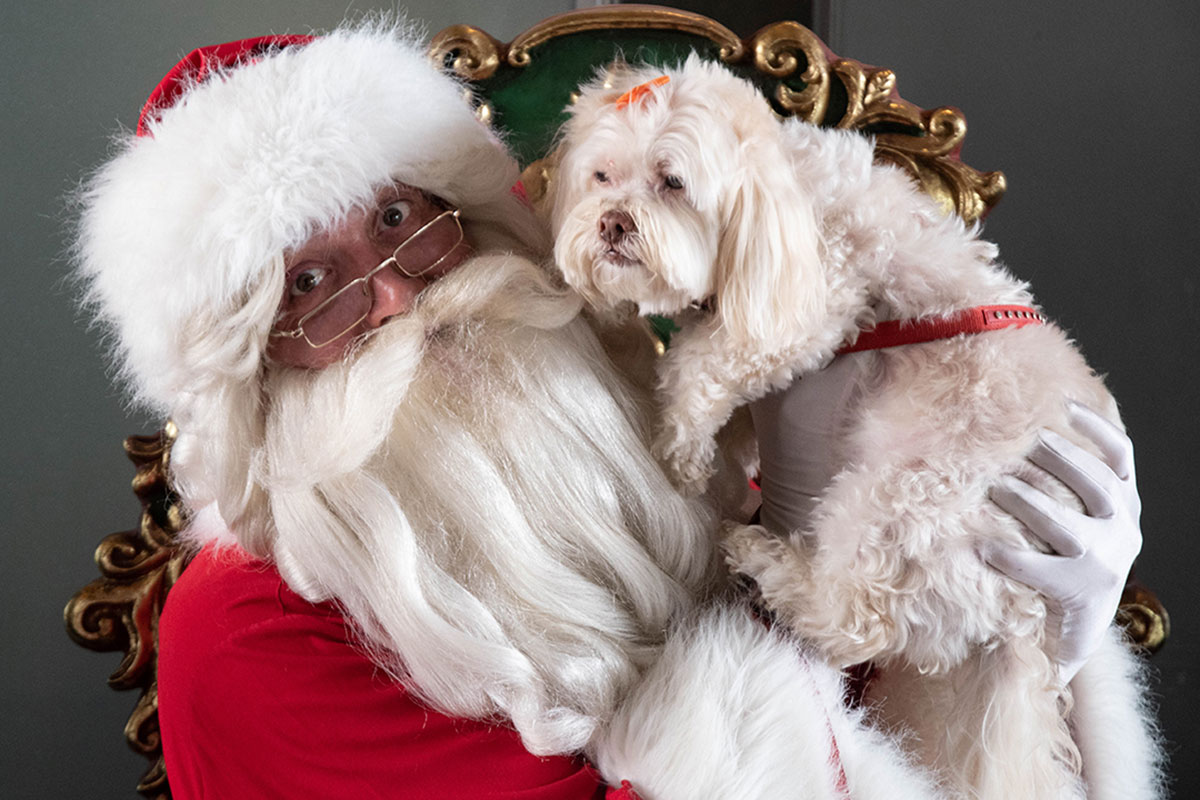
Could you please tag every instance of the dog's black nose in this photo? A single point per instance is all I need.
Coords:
(614, 225)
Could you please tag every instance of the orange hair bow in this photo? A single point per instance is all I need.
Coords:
(639, 92)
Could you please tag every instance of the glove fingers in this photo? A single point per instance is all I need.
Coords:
(1112, 441)
(1082, 472)
(1034, 569)
(1044, 516)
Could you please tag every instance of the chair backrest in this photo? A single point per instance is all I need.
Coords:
(525, 86)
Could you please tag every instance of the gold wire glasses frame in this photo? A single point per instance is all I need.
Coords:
(346, 308)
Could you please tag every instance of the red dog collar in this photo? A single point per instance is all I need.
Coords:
(894, 333)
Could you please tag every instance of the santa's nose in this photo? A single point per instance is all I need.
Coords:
(394, 295)
(615, 225)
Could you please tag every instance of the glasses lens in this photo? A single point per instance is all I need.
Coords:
(429, 246)
(339, 314)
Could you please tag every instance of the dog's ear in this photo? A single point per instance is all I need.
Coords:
(770, 285)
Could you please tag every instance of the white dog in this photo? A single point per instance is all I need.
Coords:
(773, 244)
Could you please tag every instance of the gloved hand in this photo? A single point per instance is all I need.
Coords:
(797, 430)
(1093, 552)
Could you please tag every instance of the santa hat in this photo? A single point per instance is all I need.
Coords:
(244, 151)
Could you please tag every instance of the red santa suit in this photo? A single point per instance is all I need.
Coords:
(263, 694)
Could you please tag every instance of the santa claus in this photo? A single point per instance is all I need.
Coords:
(434, 557)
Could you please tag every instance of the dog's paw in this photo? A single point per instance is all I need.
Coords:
(690, 478)
(753, 551)
(688, 463)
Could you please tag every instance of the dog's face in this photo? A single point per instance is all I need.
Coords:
(674, 190)
(638, 221)
(642, 193)
(636, 215)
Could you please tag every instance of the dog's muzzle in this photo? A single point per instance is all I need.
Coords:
(615, 226)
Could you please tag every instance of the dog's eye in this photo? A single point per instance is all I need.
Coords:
(601, 177)
(673, 182)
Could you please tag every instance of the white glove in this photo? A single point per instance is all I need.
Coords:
(1083, 577)
(798, 428)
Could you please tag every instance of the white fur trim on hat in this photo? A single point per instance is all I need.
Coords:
(182, 228)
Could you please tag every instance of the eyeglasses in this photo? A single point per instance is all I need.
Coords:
(339, 313)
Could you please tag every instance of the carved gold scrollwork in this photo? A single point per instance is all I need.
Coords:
(474, 55)
(1144, 618)
(943, 130)
(536, 179)
(955, 186)
(775, 49)
(467, 51)
(120, 610)
(871, 98)
(924, 143)
(879, 87)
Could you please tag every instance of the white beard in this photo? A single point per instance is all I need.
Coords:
(474, 488)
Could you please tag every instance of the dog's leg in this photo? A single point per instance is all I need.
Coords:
(771, 561)
(1114, 727)
(815, 604)
(992, 727)
(1008, 727)
(701, 380)
(845, 583)
(695, 404)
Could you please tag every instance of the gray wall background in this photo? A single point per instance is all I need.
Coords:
(1090, 109)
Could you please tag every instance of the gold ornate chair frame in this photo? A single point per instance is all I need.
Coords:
(794, 68)
(523, 88)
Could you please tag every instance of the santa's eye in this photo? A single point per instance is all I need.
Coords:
(307, 280)
(601, 177)
(393, 214)
(673, 182)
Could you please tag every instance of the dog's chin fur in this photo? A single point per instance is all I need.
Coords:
(795, 240)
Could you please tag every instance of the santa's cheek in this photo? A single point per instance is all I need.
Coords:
(300, 354)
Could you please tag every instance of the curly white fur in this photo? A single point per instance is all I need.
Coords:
(773, 243)
(760, 720)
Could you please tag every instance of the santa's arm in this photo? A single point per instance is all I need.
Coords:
(262, 694)
(733, 709)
